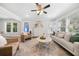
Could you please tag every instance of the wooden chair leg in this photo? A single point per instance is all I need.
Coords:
(18, 48)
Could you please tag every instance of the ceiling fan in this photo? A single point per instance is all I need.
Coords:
(40, 8)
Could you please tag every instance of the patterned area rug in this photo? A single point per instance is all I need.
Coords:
(31, 48)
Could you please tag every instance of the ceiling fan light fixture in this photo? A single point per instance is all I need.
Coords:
(37, 11)
(40, 9)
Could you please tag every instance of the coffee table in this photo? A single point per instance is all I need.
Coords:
(47, 40)
(44, 42)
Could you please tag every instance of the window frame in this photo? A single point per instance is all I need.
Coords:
(12, 31)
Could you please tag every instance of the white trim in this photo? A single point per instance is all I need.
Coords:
(11, 27)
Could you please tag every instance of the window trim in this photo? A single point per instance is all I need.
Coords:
(11, 27)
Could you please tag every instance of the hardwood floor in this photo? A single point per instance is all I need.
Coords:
(30, 48)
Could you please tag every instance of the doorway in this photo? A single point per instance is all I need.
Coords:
(26, 27)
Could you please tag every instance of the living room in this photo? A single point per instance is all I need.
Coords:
(26, 29)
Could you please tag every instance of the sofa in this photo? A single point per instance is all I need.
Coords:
(25, 36)
(63, 39)
(11, 47)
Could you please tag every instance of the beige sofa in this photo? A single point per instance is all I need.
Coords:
(11, 47)
(63, 38)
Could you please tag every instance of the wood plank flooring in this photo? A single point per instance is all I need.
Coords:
(30, 48)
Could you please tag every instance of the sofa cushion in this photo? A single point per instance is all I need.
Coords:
(60, 34)
(67, 36)
(67, 45)
(76, 48)
(64, 43)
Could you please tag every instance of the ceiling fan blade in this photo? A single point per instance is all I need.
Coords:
(39, 13)
(45, 12)
(37, 3)
(46, 6)
(33, 10)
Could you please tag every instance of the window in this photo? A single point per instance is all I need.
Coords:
(8, 27)
(14, 27)
(63, 25)
(26, 27)
(11, 27)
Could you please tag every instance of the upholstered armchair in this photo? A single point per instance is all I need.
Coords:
(11, 47)
(25, 36)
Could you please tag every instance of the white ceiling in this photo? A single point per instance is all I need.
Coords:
(55, 11)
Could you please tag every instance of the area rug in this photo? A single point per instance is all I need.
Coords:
(31, 48)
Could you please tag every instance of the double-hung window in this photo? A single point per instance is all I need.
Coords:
(11, 27)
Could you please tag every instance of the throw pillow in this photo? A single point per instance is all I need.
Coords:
(3, 41)
(67, 36)
(61, 34)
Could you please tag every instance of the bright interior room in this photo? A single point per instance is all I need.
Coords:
(39, 29)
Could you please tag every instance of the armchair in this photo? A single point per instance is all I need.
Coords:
(10, 48)
(25, 36)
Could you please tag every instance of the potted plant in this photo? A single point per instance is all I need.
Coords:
(43, 37)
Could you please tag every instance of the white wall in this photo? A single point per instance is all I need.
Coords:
(1, 25)
(47, 25)
(56, 25)
(7, 16)
(3, 28)
(45, 29)
(45, 21)
(38, 30)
